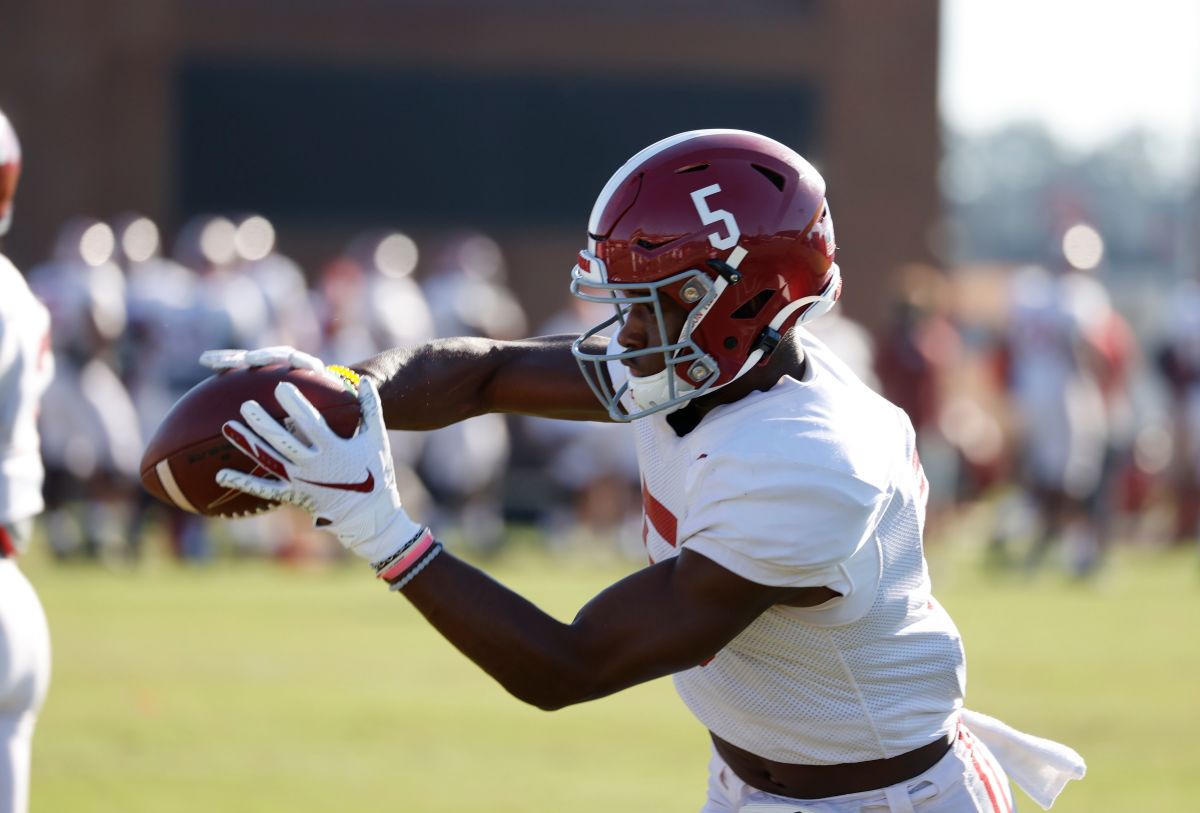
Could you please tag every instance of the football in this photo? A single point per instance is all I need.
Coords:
(188, 449)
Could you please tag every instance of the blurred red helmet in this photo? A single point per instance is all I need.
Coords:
(731, 225)
(10, 170)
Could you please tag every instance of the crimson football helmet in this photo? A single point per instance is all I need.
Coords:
(10, 170)
(731, 225)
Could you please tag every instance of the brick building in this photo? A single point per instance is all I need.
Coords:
(508, 116)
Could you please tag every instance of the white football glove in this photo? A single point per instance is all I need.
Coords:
(279, 354)
(221, 360)
(347, 484)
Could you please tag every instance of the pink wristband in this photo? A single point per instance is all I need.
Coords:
(408, 557)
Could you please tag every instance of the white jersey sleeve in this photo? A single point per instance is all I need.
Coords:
(777, 521)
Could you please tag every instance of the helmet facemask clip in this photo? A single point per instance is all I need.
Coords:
(768, 340)
(730, 274)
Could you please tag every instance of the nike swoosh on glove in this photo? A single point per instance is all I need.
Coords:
(348, 485)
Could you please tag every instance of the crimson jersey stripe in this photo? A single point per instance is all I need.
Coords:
(662, 519)
(7, 547)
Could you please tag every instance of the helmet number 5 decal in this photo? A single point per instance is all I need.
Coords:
(708, 216)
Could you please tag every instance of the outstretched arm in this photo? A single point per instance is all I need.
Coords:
(666, 618)
(660, 620)
(449, 380)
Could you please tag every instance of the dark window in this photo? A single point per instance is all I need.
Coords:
(337, 146)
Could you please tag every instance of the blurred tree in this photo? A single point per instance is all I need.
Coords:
(1013, 192)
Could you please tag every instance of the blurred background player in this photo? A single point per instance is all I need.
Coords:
(850, 342)
(592, 466)
(463, 464)
(159, 294)
(291, 315)
(1179, 364)
(25, 370)
(920, 347)
(159, 298)
(228, 305)
(91, 440)
(1055, 370)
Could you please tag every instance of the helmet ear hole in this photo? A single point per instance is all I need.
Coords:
(751, 309)
(730, 342)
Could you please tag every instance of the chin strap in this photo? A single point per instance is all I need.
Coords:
(818, 305)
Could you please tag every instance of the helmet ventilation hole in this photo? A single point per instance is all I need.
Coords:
(730, 342)
(691, 168)
(650, 245)
(771, 175)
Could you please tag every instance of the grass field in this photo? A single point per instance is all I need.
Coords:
(249, 687)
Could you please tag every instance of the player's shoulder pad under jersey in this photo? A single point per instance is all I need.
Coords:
(775, 517)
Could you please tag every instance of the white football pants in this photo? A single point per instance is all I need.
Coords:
(966, 780)
(24, 678)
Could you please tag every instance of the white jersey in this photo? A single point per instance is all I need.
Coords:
(812, 483)
(26, 367)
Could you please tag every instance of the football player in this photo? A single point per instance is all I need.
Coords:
(26, 366)
(1056, 370)
(787, 591)
(88, 422)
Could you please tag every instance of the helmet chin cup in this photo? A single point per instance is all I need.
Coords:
(687, 370)
(652, 393)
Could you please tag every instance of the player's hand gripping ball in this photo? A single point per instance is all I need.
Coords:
(347, 485)
(181, 461)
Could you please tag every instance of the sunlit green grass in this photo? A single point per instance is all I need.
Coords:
(250, 687)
